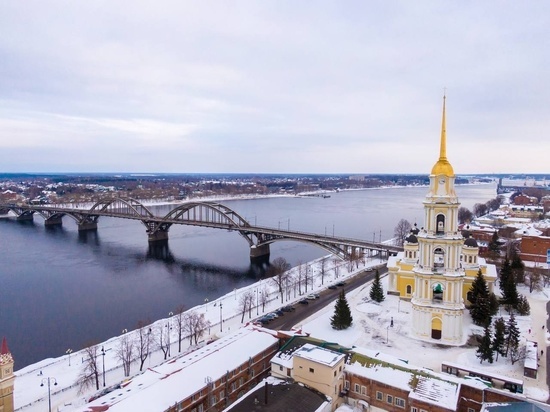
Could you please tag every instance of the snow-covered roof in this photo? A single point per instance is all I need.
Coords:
(436, 392)
(159, 388)
(531, 351)
(320, 355)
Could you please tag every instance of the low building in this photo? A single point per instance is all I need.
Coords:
(210, 378)
(534, 248)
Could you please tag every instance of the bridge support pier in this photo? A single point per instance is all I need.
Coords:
(158, 236)
(84, 226)
(259, 251)
(25, 217)
(55, 221)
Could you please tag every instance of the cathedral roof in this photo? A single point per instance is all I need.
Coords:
(411, 238)
(5, 349)
(442, 166)
(470, 242)
(5, 355)
(415, 230)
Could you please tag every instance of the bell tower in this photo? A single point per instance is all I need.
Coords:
(437, 300)
(7, 378)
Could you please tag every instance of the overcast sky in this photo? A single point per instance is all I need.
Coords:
(273, 86)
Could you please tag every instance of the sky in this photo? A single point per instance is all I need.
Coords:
(273, 86)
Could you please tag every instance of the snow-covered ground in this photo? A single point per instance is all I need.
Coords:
(371, 328)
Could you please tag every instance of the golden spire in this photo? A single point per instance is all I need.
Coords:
(443, 167)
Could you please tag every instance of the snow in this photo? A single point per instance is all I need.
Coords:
(371, 329)
(319, 355)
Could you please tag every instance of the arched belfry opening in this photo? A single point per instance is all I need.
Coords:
(437, 293)
(439, 259)
(440, 225)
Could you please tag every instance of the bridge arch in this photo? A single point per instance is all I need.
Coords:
(122, 206)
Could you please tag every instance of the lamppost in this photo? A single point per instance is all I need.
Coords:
(170, 314)
(221, 317)
(68, 352)
(206, 303)
(103, 352)
(257, 301)
(388, 329)
(49, 380)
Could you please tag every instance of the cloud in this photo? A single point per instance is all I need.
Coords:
(272, 87)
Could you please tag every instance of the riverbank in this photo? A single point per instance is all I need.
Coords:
(29, 396)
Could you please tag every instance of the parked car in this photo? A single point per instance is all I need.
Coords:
(272, 315)
(303, 301)
(264, 321)
(279, 312)
(340, 283)
(332, 287)
(312, 296)
(287, 308)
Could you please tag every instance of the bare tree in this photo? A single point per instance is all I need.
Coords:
(143, 341)
(195, 325)
(125, 352)
(323, 269)
(518, 354)
(535, 279)
(308, 276)
(401, 231)
(245, 304)
(278, 271)
(90, 372)
(163, 332)
(336, 267)
(464, 215)
(264, 297)
(178, 319)
(480, 209)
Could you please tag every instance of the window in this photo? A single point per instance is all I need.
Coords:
(379, 396)
(214, 400)
(409, 289)
(356, 388)
(471, 410)
(334, 373)
(200, 408)
(346, 384)
(400, 402)
(280, 367)
(389, 399)
(413, 409)
(363, 390)
(222, 394)
(241, 381)
(312, 370)
(340, 369)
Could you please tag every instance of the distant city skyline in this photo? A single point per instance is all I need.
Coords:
(273, 87)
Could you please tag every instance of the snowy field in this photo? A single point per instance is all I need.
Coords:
(371, 329)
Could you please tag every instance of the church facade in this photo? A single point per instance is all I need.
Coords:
(439, 262)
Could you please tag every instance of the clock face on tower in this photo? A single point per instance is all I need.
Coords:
(442, 181)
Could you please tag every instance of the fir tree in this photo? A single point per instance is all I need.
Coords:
(342, 318)
(493, 303)
(512, 335)
(485, 350)
(505, 273)
(480, 308)
(510, 296)
(499, 339)
(518, 269)
(376, 291)
(494, 246)
(523, 306)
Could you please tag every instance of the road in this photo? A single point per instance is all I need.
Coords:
(326, 297)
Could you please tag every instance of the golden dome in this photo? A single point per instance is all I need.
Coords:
(443, 167)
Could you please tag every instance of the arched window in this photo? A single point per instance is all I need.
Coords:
(439, 259)
(440, 225)
(409, 289)
(437, 292)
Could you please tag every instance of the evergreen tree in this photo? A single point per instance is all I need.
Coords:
(505, 273)
(499, 339)
(518, 269)
(493, 303)
(480, 308)
(494, 245)
(376, 291)
(512, 335)
(342, 318)
(485, 350)
(523, 306)
(510, 296)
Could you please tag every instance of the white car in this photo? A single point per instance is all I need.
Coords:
(312, 296)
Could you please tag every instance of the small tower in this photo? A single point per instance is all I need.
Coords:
(7, 378)
(437, 300)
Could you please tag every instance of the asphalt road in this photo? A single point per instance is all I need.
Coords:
(327, 296)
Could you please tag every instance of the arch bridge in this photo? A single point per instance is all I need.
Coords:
(204, 214)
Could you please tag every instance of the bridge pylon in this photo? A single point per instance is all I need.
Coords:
(157, 236)
(261, 251)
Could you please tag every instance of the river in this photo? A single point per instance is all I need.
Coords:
(60, 289)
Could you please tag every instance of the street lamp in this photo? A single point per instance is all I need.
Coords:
(257, 301)
(206, 303)
(103, 352)
(49, 380)
(221, 317)
(68, 352)
(169, 314)
(388, 329)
